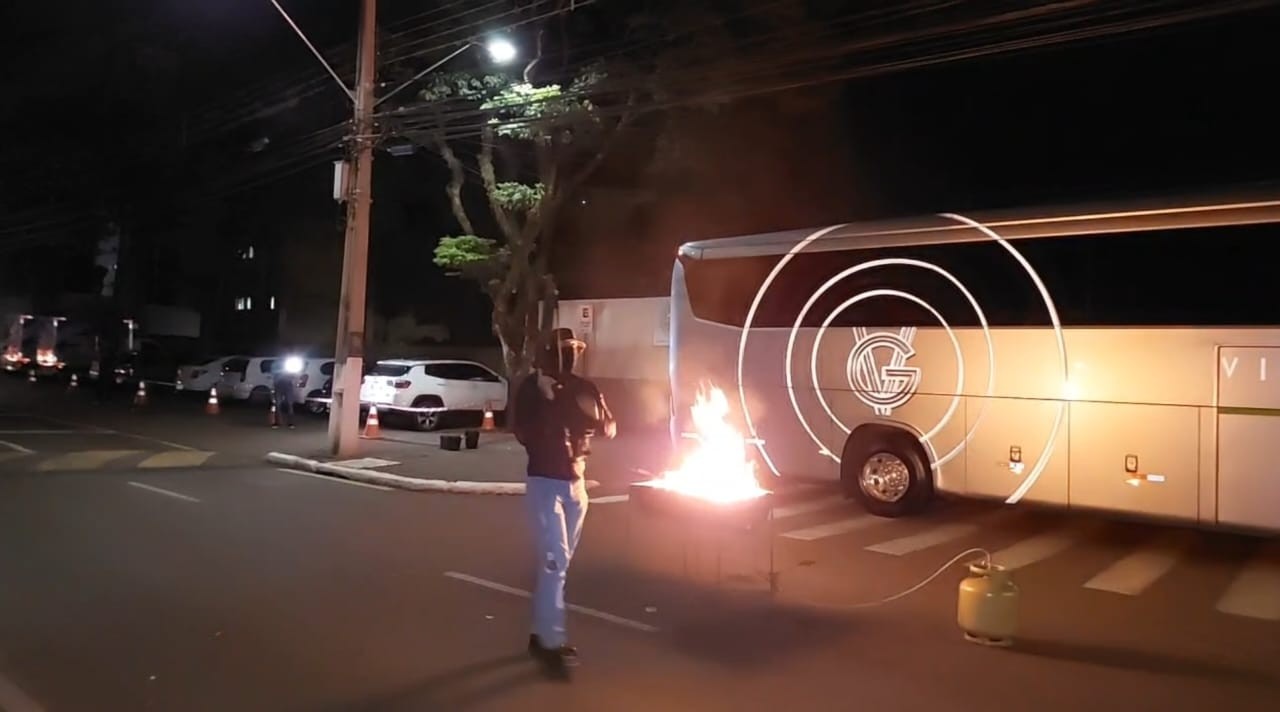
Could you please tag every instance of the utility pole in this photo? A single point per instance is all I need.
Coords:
(344, 414)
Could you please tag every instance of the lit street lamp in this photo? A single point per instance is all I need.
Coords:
(501, 51)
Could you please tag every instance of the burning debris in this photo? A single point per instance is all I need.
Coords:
(716, 478)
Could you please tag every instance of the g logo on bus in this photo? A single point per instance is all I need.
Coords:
(888, 386)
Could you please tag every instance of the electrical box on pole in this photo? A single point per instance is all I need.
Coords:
(341, 180)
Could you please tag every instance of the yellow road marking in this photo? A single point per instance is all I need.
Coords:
(84, 459)
(175, 459)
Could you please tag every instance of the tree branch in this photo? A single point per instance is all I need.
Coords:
(457, 177)
(606, 144)
(490, 177)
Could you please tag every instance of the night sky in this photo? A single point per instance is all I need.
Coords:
(153, 113)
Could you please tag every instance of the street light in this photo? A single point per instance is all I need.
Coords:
(501, 51)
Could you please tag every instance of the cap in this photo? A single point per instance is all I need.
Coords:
(564, 337)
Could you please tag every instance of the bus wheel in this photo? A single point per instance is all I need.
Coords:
(886, 470)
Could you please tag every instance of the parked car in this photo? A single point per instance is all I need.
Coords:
(203, 376)
(425, 390)
(250, 378)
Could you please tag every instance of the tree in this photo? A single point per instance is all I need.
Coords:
(537, 144)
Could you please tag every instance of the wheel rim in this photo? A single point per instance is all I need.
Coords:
(885, 477)
(427, 421)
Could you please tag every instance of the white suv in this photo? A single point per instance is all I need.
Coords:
(251, 378)
(426, 390)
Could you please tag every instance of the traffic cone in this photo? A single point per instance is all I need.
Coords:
(274, 419)
(211, 407)
(31, 375)
(372, 430)
(140, 398)
(487, 424)
(75, 382)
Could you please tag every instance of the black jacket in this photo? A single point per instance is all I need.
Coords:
(556, 432)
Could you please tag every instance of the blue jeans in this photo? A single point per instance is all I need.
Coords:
(557, 509)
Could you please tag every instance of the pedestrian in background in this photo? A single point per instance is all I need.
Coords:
(557, 413)
(284, 389)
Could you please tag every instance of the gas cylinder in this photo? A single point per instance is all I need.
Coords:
(987, 609)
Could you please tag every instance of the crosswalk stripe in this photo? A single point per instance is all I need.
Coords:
(1255, 592)
(1036, 548)
(823, 531)
(813, 505)
(83, 459)
(1134, 573)
(925, 539)
(175, 459)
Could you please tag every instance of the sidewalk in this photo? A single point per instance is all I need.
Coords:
(413, 460)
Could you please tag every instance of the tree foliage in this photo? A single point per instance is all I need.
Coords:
(537, 143)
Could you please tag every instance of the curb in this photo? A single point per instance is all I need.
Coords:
(388, 479)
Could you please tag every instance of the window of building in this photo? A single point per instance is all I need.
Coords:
(244, 303)
(245, 253)
(271, 304)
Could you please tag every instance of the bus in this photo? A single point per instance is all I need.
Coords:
(1122, 358)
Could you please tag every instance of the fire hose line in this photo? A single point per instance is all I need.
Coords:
(986, 563)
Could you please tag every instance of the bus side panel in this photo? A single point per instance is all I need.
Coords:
(792, 449)
(927, 413)
(1249, 437)
(1009, 446)
(1138, 458)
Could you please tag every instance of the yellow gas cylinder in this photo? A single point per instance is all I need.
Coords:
(987, 609)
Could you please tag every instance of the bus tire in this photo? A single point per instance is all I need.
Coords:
(887, 471)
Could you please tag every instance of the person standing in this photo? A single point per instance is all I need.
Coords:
(557, 414)
(284, 389)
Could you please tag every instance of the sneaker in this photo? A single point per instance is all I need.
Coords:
(565, 654)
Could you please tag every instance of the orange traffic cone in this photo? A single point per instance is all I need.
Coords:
(31, 376)
(140, 398)
(75, 382)
(372, 430)
(211, 407)
(274, 419)
(487, 424)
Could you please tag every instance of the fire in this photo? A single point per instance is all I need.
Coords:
(717, 469)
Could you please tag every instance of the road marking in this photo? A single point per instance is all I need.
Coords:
(16, 447)
(83, 460)
(813, 505)
(611, 499)
(42, 432)
(832, 529)
(1036, 548)
(13, 699)
(175, 459)
(1134, 573)
(925, 539)
(495, 586)
(1255, 592)
(157, 490)
(337, 480)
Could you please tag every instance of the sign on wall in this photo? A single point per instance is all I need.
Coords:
(586, 322)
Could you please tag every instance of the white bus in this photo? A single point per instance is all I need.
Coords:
(1119, 358)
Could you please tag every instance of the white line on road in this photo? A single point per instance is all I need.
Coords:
(102, 431)
(17, 447)
(925, 539)
(823, 531)
(337, 480)
(1255, 592)
(495, 586)
(611, 499)
(813, 505)
(43, 432)
(165, 492)
(13, 699)
(1036, 548)
(1136, 572)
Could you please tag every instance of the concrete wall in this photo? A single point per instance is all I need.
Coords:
(626, 355)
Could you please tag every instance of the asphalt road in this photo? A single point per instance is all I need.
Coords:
(241, 586)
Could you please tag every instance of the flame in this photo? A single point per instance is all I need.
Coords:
(717, 469)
